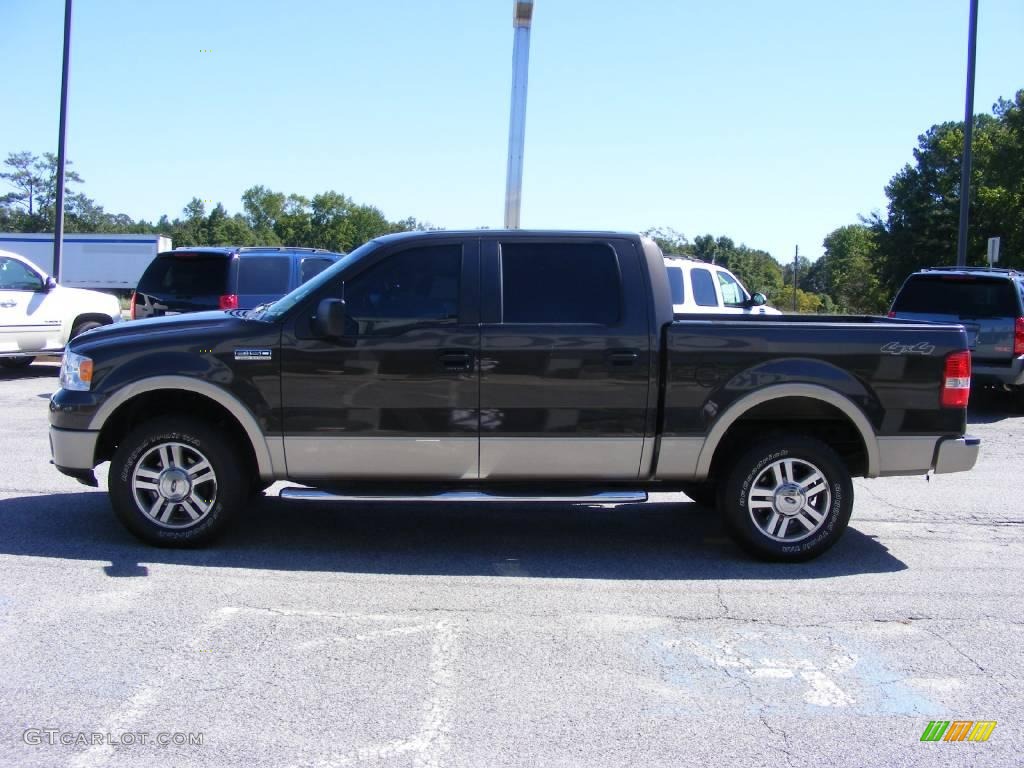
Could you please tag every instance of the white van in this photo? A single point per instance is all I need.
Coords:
(700, 288)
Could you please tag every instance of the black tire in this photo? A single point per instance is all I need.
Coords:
(142, 449)
(705, 493)
(82, 327)
(16, 363)
(826, 509)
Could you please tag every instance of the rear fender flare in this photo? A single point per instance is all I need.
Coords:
(812, 391)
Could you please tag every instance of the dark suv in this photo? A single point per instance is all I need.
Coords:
(197, 279)
(988, 303)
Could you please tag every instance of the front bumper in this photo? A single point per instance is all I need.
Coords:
(73, 452)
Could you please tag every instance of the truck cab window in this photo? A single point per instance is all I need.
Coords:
(15, 276)
(703, 288)
(733, 294)
(560, 283)
(408, 288)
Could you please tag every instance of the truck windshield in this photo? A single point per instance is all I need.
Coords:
(285, 303)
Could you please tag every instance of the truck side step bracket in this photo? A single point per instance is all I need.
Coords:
(605, 497)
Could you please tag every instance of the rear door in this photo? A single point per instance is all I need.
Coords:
(565, 359)
(183, 281)
(987, 307)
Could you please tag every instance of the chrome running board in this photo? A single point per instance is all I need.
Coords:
(607, 497)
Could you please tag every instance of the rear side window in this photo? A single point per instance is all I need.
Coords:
(186, 274)
(675, 282)
(312, 267)
(703, 288)
(560, 283)
(958, 295)
(263, 274)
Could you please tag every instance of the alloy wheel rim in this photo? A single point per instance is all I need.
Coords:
(174, 485)
(789, 500)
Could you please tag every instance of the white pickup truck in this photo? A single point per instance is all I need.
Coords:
(39, 317)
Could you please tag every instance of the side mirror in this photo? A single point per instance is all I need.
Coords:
(329, 320)
(49, 283)
(758, 300)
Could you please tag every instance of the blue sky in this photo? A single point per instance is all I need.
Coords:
(773, 123)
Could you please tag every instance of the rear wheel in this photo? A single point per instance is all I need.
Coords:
(176, 482)
(788, 498)
(16, 363)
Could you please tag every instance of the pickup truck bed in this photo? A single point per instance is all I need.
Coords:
(509, 364)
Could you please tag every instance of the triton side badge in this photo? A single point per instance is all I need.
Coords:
(252, 354)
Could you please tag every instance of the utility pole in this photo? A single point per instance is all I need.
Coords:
(796, 269)
(58, 214)
(521, 20)
(965, 164)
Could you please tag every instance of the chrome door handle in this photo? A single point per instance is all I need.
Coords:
(457, 360)
(623, 357)
(8, 304)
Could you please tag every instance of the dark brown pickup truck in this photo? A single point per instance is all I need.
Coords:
(509, 365)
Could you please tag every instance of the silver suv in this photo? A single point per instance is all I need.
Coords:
(988, 303)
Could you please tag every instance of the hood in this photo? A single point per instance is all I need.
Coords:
(171, 330)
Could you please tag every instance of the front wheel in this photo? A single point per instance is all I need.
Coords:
(788, 498)
(82, 327)
(175, 482)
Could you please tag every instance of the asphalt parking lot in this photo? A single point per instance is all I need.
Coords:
(426, 635)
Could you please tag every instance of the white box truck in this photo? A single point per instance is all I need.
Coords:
(98, 261)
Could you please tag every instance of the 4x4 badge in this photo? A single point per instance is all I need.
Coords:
(252, 354)
(921, 348)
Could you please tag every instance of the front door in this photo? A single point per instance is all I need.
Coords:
(398, 395)
(27, 321)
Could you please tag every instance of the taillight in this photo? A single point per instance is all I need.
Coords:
(229, 301)
(1018, 337)
(135, 297)
(956, 380)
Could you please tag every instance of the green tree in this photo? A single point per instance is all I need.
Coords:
(26, 178)
(920, 227)
(670, 241)
(848, 271)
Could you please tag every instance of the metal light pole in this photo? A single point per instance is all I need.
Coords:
(58, 232)
(796, 270)
(523, 15)
(965, 165)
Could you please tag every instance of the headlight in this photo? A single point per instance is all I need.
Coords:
(76, 372)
